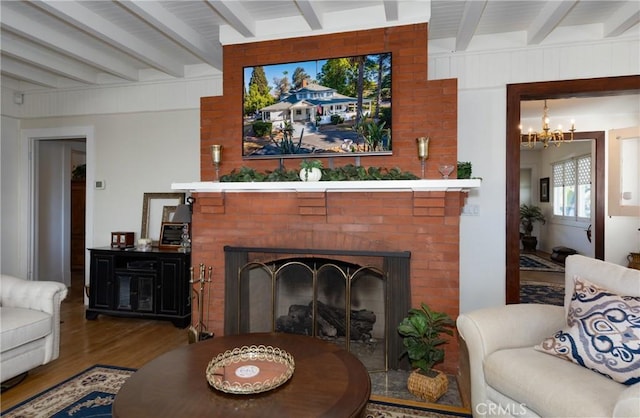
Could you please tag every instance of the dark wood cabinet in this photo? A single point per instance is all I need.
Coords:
(143, 284)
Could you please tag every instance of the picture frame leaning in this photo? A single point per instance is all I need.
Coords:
(152, 213)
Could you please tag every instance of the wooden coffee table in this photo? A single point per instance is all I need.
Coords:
(328, 381)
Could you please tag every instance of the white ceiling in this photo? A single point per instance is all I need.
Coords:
(67, 44)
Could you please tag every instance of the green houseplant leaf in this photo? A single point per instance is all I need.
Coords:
(348, 172)
(422, 331)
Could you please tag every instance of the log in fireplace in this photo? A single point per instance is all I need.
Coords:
(353, 298)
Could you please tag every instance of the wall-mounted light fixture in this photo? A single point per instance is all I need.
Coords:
(423, 152)
(216, 158)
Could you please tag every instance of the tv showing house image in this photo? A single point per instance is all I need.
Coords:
(336, 106)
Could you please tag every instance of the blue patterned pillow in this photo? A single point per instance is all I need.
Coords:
(603, 333)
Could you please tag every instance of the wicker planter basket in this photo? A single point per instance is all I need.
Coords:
(428, 388)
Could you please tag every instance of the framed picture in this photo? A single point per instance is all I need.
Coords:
(544, 189)
(167, 213)
(153, 213)
(171, 235)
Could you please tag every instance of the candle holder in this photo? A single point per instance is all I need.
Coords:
(423, 152)
(216, 158)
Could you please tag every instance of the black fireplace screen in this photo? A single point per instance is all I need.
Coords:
(337, 299)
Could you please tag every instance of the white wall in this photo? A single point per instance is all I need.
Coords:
(621, 232)
(132, 153)
(556, 232)
(481, 124)
(13, 217)
(482, 79)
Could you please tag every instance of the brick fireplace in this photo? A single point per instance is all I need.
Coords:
(352, 298)
(422, 222)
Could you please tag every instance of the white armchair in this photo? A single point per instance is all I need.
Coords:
(510, 378)
(29, 324)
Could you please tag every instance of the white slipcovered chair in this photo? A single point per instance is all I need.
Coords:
(29, 324)
(511, 378)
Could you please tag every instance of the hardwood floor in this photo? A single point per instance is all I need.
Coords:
(108, 340)
(542, 276)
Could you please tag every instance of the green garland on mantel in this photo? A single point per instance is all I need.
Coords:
(346, 173)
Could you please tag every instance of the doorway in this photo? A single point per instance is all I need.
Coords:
(55, 195)
(51, 148)
(538, 91)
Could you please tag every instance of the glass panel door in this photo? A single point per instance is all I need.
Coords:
(144, 293)
(123, 292)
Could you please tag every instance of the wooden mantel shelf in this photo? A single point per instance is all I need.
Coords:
(452, 185)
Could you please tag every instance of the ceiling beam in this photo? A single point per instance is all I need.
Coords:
(24, 72)
(79, 16)
(469, 23)
(48, 60)
(550, 16)
(176, 29)
(314, 20)
(391, 10)
(624, 18)
(66, 44)
(236, 16)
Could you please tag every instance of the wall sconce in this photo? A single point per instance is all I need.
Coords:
(216, 157)
(423, 152)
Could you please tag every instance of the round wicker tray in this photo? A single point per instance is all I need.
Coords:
(250, 369)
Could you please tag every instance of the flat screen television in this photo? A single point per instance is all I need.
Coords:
(326, 107)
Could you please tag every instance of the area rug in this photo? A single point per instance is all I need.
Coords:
(535, 263)
(87, 394)
(378, 409)
(90, 394)
(538, 292)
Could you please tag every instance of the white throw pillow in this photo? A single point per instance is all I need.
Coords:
(602, 333)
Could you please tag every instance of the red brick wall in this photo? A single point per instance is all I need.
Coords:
(425, 223)
(419, 108)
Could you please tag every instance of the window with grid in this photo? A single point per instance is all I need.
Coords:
(572, 188)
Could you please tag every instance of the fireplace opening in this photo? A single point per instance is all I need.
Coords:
(353, 299)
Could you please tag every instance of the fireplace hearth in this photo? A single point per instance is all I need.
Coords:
(354, 299)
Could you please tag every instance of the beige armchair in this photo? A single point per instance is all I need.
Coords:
(511, 378)
(29, 324)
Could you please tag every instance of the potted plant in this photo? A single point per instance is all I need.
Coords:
(464, 170)
(529, 215)
(422, 331)
(311, 170)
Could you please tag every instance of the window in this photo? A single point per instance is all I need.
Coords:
(572, 188)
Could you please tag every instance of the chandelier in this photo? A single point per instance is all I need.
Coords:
(547, 135)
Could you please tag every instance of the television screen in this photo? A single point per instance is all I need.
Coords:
(328, 107)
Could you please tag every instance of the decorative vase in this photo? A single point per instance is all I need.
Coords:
(310, 174)
(634, 261)
(426, 387)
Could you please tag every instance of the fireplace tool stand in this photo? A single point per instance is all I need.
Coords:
(199, 332)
